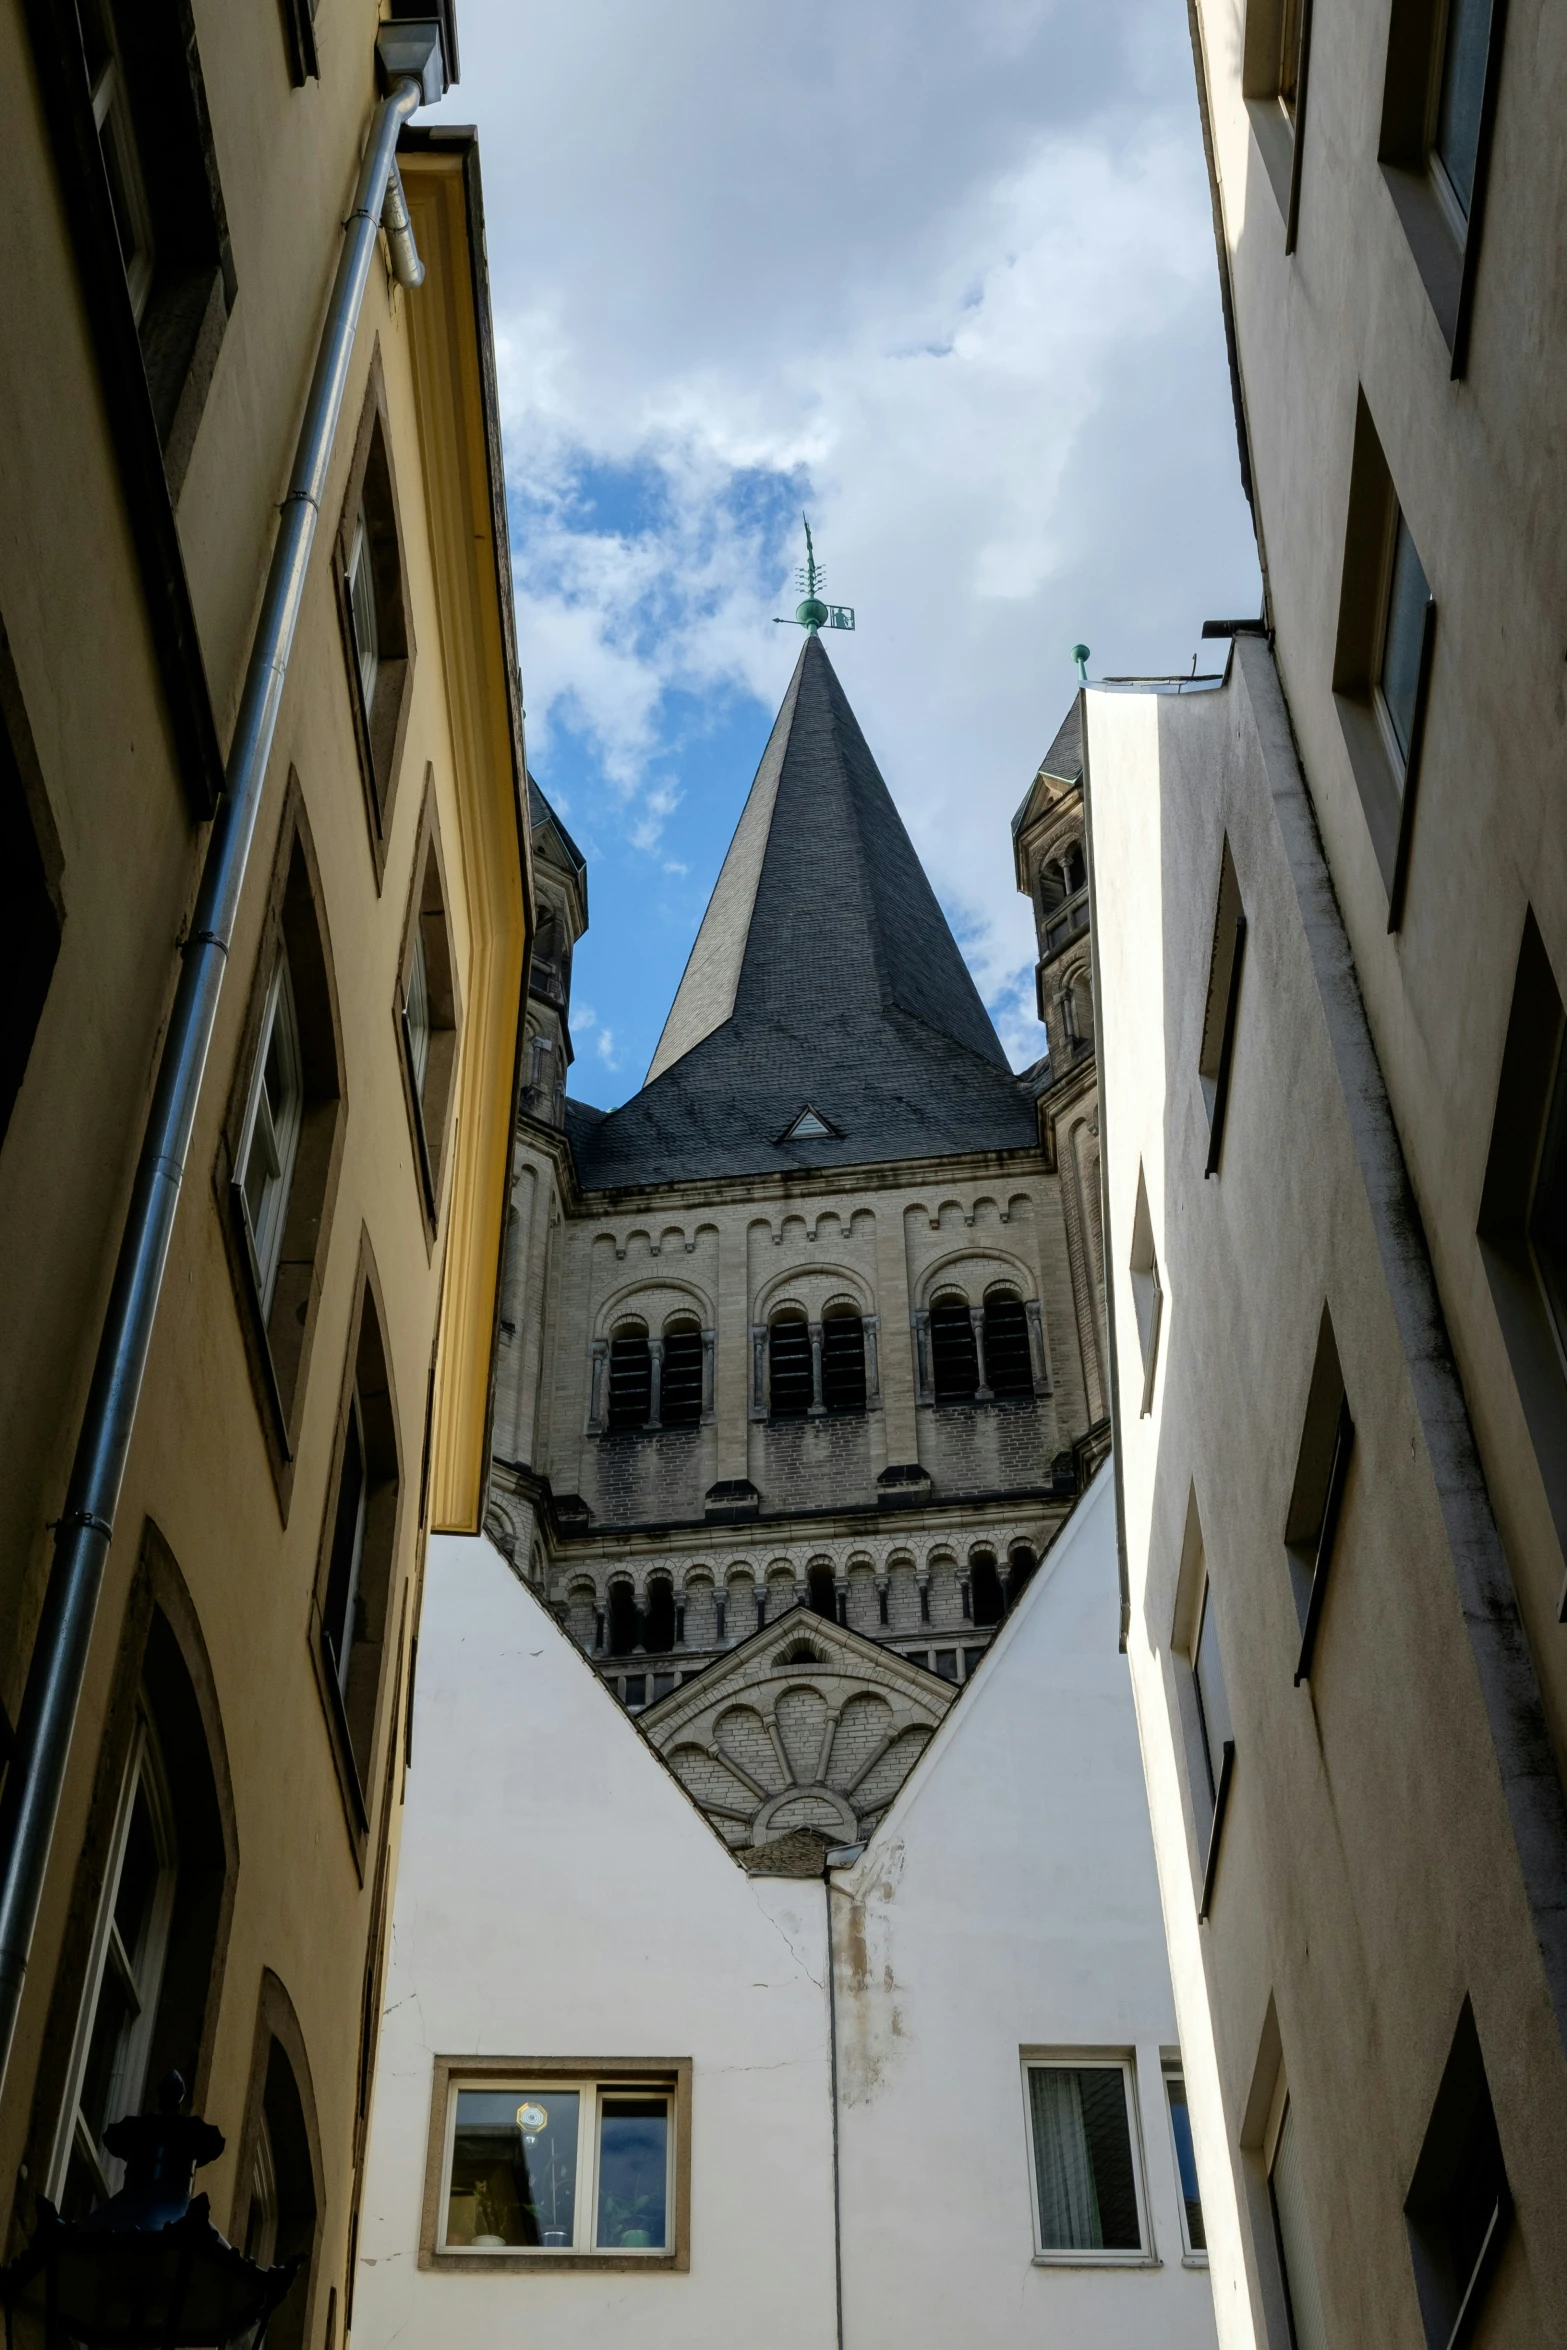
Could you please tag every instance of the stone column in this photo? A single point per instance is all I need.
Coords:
(758, 1370)
(896, 1377)
(1038, 1354)
(983, 1393)
(655, 1348)
(872, 1328)
(709, 1347)
(600, 1353)
(841, 1595)
(817, 1405)
(883, 1589)
(922, 1578)
(925, 1390)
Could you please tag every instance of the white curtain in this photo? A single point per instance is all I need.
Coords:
(1068, 2203)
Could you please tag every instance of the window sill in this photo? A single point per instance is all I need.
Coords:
(1135, 2260)
(1438, 253)
(516, 2264)
(1194, 2260)
(1276, 145)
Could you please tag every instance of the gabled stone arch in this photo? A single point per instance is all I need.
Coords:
(973, 1270)
(653, 1298)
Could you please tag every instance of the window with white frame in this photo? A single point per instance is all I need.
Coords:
(117, 141)
(1193, 2234)
(560, 2166)
(344, 1605)
(1089, 2202)
(108, 2075)
(269, 1138)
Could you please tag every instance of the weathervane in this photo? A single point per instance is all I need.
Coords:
(813, 613)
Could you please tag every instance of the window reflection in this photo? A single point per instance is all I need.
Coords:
(514, 2169)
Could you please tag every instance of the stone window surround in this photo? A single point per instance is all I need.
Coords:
(450, 2073)
(1445, 247)
(987, 1273)
(761, 1399)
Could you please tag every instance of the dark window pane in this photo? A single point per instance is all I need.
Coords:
(947, 1663)
(658, 1624)
(823, 1588)
(1408, 596)
(101, 2101)
(29, 931)
(663, 1685)
(1463, 88)
(633, 2173)
(347, 1534)
(636, 1690)
(789, 1350)
(1009, 1368)
(514, 2169)
(624, 1624)
(680, 1404)
(630, 1383)
(1083, 2159)
(954, 1361)
(1186, 2160)
(985, 1586)
(1212, 1702)
(843, 1363)
(1548, 1211)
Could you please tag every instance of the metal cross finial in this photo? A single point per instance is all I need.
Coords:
(813, 614)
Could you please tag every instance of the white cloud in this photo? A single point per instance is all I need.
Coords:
(947, 273)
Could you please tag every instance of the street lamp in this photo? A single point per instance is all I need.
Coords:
(147, 2270)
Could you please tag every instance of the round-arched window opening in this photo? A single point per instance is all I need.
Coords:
(630, 1376)
(1023, 1563)
(954, 1358)
(1009, 1368)
(624, 1627)
(843, 1360)
(822, 1585)
(1074, 867)
(789, 1366)
(681, 1401)
(658, 1624)
(985, 1589)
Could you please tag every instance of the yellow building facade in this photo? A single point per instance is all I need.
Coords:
(229, 1700)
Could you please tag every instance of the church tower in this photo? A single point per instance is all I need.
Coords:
(817, 1337)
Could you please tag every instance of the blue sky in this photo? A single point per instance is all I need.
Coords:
(944, 276)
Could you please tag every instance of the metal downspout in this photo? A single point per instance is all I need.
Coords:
(86, 1526)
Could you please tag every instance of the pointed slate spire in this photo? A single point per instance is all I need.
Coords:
(824, 974)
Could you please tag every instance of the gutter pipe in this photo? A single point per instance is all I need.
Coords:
(86, 1527)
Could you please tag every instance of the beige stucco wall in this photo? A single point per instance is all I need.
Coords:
(71, 600)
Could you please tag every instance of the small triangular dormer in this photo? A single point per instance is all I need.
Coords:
(809, 1126)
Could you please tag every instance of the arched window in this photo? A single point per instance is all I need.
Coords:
(1009, 1368)
(954, 1357)
(129, 1962)
(658, 1626)
(681, 1401)
(843, 1360)
(355, 1576)
(1075, 868)
(135, 1990)
(630, 1377)
(280, 2190)
(823, 1589)
(281, 1141)
(789, 1366)
(985, 1587)
(623, 1624)
(1023, 1563)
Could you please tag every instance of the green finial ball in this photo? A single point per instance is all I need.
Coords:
(812, 614)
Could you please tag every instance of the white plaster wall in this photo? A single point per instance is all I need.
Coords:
(1009, 1900)
(559, 1895)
